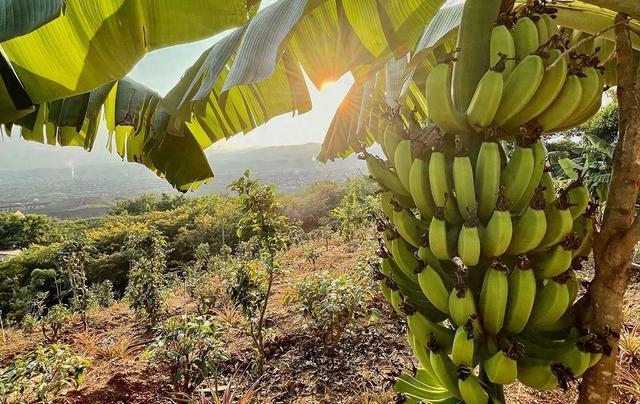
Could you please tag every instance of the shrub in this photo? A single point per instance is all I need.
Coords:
(55, 319)
(102, 293)
(311, 255)
(42, 374)
(30, 324)
(191, 348)
(330, 303)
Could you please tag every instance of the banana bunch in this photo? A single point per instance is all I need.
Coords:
(478, 249)
(536, 79)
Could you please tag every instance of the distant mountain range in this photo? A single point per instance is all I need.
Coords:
(42, 178)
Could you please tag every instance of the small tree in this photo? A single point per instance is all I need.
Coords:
(146, 276)
(71, 259)
(262, 221)
(352, 213)
(53, 322)
(102, 293)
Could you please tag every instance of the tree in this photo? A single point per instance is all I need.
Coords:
(261, 220)
(71, 259)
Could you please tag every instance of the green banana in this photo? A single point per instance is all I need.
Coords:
(502, 367)
(583, 227)
(552, 28)
(549, 264)
(522, 294)
(525, 37)
(487, 180)
(434, 288)
(592, 84)
(543, 33)
(438, 236)
(578, 197)
(469, 242)
(497, 235)
(559, 221)
(384, 176)
(551, 303)
(443, 367)
(420, 351)
(402, 162)
(392, 137)
(440, 105)
(551, 85)
(403, 255)
(387, 207)
(462, 351)
(563, 107)
(530, 228)
(463, 182)
(546, 182)
(409, 385)
(396, 297)
(486, 99)
(537, 374)
(539, 156)
(502, 46)
(461, 305)
(573, 284)
(421, 188)
(494, 296)
(516, 176)
(471, 391)
(575, 359)
(441, 184)
(520, 87)
(409, 227)
(423, 328)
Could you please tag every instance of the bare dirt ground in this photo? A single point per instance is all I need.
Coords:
(297, 370)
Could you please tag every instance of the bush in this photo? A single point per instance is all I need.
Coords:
(30, 324)
(190, 347)
(42, 374)
(55, 319)
(329, 304)
(102, 294)
(207, 292)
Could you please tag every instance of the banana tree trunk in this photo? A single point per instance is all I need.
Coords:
(614, 244)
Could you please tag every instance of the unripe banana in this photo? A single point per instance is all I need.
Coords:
(559, 221)
(439, 102)
(552, 28)
(463, 349)
(549, 264)
(604, 49)
(543, 34)
(434, 288)
(537, 374)
(461, 305)
(502, 45)
(494, 296)
(575, 359)
(583, 227)
(592, 84)
(522, 294)
(438, 236)
(471, 391)
(396, 298)
(530, 228)
(551, 303)
(423, 329)
(525, 37)
(517, 174)
(497, 235)
(578, 197)
(463, 182)
(409, 227)
(392, 137)
(486, 99)
(442, 184)
(385, 177)
(487, 178)
(519, 88)
(548, 187)
(385, 202)
(551, 85)
(469, 242)
(421, 188)
(402, 162)
(420, 351)
(573, 284)
(502, 367)
(443, 367)
(403, 255)
(539, 156)
(563, 107)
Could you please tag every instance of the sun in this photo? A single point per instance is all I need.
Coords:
(327, 85)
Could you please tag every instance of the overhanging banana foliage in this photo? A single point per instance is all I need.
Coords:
(255, 73)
